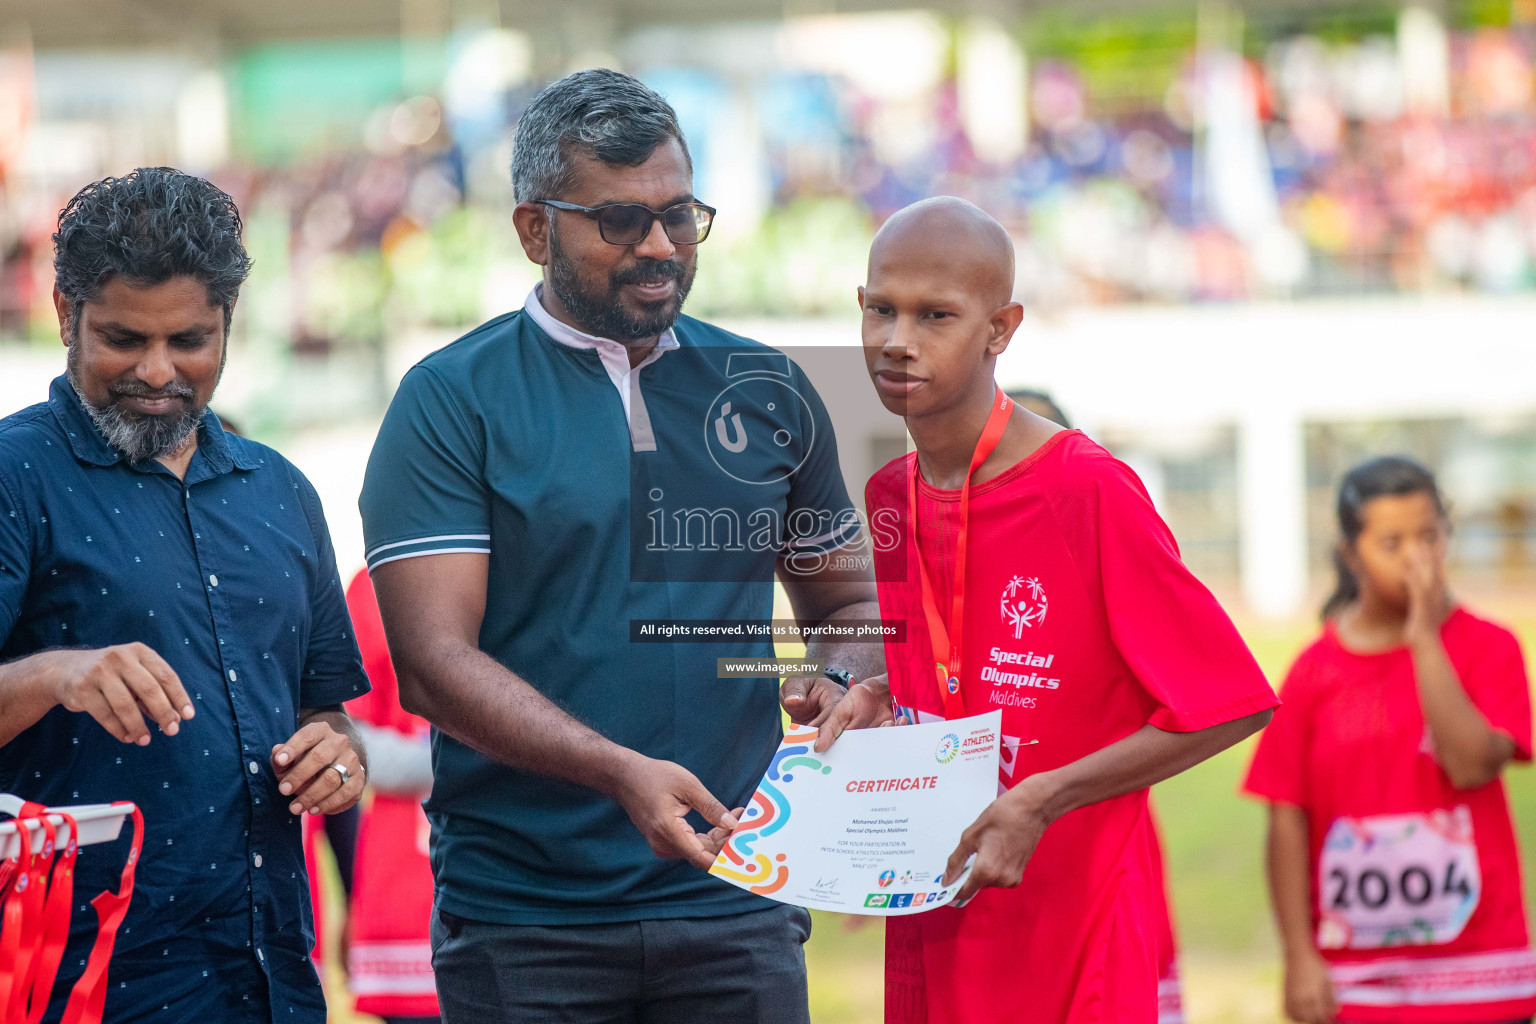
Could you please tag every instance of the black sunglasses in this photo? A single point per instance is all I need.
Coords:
(628, 223)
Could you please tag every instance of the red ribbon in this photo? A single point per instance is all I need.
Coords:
(30, 894)
(90, 992)
(55, 922)
(946, 642)
(38, 891)
(13, 921)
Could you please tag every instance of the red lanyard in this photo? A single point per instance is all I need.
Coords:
(55, 922)
(90, 991)
(34, 920)
(18, 932)
(36, 916)
(947, 641)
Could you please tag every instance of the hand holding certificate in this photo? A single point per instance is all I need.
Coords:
(868, 826)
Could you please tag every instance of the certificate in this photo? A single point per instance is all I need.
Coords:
(868, 826)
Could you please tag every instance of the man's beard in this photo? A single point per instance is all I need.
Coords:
(138, 436)
(604, 315)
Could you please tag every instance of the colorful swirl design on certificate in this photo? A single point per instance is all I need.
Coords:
(768, 812)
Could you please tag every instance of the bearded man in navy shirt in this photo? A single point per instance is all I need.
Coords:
(172, 627)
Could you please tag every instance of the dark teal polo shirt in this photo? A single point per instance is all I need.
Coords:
(511, 443)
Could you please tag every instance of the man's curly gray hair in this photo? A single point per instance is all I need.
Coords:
(608, 115)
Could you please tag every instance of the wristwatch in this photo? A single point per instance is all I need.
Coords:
(840, 676)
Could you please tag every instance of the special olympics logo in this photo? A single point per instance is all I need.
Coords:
(886, 878)
(758, 448)
(948, 747)
(1023, 604)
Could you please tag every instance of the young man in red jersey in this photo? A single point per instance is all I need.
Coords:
(1034, 577)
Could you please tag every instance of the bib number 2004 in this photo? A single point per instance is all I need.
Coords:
(1398, 880)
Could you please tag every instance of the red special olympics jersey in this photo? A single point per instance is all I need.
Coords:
(1082, 625)
(1416, 890)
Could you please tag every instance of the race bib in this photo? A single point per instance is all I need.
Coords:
(1397, 880)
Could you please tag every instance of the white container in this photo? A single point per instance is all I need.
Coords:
(99, 823)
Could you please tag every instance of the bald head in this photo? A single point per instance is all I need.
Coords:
(948, 240)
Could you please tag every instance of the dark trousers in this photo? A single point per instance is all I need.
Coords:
(745, 968)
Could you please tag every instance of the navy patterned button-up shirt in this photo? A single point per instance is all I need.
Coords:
(229, 575)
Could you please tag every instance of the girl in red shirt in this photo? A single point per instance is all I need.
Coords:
(389, 958)
(1392, 858)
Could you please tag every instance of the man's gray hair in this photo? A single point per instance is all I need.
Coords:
(608, 115)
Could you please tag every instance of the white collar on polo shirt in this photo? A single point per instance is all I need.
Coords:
(614, 355)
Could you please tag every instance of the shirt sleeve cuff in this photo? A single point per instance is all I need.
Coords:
(1194, 719)
(438, 544)
(317, 692)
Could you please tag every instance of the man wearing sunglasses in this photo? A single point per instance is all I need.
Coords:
(542, 491)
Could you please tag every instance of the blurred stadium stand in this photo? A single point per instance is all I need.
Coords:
(1256, 240)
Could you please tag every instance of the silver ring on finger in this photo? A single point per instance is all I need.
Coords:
(341, 770)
